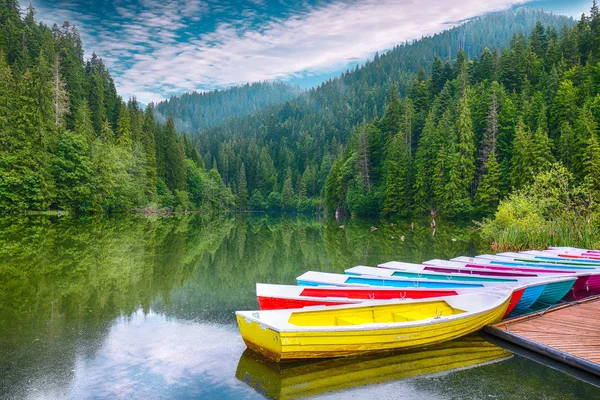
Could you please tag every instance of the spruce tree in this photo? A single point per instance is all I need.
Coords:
(242, 188)
(521, 171)
(541, 153)
(487, 196)
(83, 122)
(60, 96)
(174, 159)
(287, 192)
(424, 166)
(124, 135)
(466, 147)
(149, 141)
(398, 178)
(392, 118)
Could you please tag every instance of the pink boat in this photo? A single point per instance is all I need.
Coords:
(586, 281)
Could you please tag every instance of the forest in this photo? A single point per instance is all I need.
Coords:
(449, 124)
(68, 141)
(282, 155)
(473, 131)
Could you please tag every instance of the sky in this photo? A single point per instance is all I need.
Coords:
(158, 48)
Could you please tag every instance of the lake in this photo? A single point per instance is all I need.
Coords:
(131, 307)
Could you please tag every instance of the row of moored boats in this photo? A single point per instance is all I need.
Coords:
(401, 305)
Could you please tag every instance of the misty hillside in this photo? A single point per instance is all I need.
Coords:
(194, 111)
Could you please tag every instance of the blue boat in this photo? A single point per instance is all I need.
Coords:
(312, 278)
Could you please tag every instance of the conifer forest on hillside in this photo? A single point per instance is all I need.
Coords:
(450, 124)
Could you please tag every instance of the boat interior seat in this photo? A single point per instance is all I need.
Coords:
(399, 317)
(351, 321)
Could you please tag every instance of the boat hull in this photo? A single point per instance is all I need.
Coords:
(555, 291)
(530, 296)
(297, 345)
(593, 283)
(515, 298)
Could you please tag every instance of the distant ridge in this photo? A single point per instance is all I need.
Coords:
(200, 110)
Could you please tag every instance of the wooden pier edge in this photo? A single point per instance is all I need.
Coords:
(502, 331)
(558, 355)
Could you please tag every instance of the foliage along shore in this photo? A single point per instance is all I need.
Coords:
(554, 210)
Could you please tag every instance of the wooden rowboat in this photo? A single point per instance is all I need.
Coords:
(350, 330)
(418, 273)
(556, 286)
(592, 258)
(588, 277)
(277, 297)
(529, 258)
(312, 278)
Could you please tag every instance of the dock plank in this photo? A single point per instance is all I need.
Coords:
(569, 333)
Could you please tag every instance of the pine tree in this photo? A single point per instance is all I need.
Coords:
(287, 192)
(567, 148)
(174, 159)
(73, 172)
(392, 118)
(492, 130)
(424, 166)
(242, 187)
(149, 141)
(364, 163)
(521, 171)
(456, 199)
(541, 153)
(466, 147)
(564, 108)
(487, 196)
(7, 98)
(408, 124)
(60, 96)
(398, 178)
(124, 136)
(83, 122)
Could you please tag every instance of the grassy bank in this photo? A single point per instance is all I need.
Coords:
(553, 211)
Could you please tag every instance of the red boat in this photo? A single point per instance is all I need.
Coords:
(275, 297)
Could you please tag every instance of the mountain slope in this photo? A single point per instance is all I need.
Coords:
(287, 150)
(194, 111)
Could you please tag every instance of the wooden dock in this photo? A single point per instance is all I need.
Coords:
(569, 333)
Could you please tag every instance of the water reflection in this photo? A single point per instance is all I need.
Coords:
(136, 307)
(295, 380)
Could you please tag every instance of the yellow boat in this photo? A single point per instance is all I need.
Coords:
(348, 330)
(311, 378)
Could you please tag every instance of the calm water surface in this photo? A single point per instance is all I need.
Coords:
(132, 307)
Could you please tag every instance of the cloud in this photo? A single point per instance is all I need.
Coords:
(154, 356)
(159, 48)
